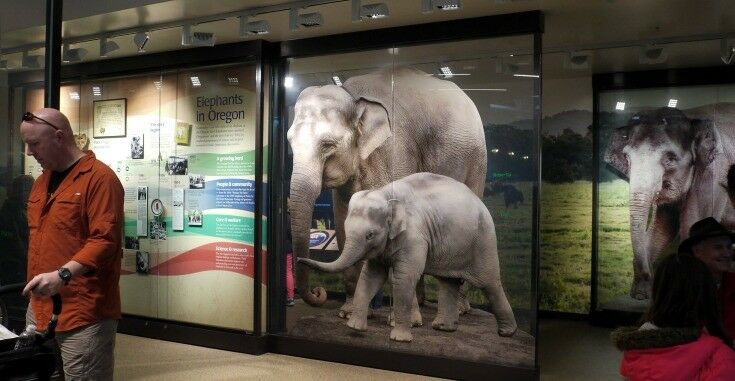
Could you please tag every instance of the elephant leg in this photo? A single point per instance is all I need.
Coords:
(421, 291)
(448, 315)
(416, 319)
(351, 275)
(371, 280)
(463, 305)
(501, 308)
(407, 270)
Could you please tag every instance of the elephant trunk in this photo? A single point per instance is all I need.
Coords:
(645, 183)
(350, 255)
(305, 188)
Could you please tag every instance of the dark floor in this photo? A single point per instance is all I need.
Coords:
(569, 350)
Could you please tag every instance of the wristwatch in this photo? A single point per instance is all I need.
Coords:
(65, 275)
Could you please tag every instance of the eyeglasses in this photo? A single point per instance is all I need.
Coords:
(29, 116)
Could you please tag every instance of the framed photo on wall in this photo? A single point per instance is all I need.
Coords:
(110, 118)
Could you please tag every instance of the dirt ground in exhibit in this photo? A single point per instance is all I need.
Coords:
(476, 338)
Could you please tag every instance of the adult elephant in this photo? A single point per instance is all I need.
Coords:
(374, 129)
(675, 166)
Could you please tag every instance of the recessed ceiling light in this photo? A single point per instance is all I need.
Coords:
(288, 82)
(673, 102)
(74, 95)
(337, 81)
(158, 84)
(368, 11)
(233, 80)
(195, 81)
(620, 106)
(446, 71)
(97, 90)
(526, 75)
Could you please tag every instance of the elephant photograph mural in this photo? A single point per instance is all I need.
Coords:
(673, 164)
(384, 119)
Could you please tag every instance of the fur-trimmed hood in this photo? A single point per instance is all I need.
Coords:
(627, 338)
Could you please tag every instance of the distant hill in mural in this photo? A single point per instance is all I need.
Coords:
(575, 120)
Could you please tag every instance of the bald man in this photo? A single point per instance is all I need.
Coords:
(75, 218)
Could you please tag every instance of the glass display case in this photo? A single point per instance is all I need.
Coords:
(415, 160)
(663, 158)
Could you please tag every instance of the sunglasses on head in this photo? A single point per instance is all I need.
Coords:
(29, 116)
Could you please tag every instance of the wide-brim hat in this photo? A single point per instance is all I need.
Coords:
(703, 229)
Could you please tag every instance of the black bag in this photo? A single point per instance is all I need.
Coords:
(35, 362)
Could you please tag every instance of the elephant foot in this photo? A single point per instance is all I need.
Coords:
(463, 305)
(416, 319)
(357, 324)
(346, 310)
(444, 325)
(507, 330)
(640, 290)
(401, 334)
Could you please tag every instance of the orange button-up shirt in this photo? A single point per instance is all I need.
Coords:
(81, 221)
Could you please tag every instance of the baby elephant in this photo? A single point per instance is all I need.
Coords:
(423, 223)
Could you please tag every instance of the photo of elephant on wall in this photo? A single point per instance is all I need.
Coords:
(374, 129)
(421, 224)
(674, 166)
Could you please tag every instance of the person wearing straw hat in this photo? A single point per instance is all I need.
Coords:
(712, 243)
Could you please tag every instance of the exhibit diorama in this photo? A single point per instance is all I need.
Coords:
(360, 124)
(664, 156)
(418, 194)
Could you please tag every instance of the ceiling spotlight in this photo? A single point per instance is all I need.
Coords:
(494, 150)
(195, 81)
(337, 81)
(203, 39)
(673, 103)
(141, 40)
(446, 71)
(652, 54)
(31, 62)
(620, 106)
(727, 52)
(306, 20)
(577, 60)
(97, 90)
(428, 6)
(74, 95)
(525, 157)
(107, 47)
(72, 55)
(511, 153)
(253, 27)
(368, 11)
(288, 82)
(233, 81)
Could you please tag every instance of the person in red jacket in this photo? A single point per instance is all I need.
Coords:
(710, 242)
(682, 337)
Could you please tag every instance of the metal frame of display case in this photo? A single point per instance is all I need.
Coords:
(630, 81)
(527, 23)
(255, 342)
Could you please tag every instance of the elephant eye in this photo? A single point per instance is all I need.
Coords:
(328, 145)
(370, 235)
(671, 157)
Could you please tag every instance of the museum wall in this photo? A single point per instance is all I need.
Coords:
(186, 138)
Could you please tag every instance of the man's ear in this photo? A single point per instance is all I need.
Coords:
(397, 222)
(373, 126)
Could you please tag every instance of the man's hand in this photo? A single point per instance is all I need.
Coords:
(44, 285)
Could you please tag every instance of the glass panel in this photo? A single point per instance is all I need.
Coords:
(647, 204)
(372, 121)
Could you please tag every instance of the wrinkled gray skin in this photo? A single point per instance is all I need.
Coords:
(374, 129)
(421, 224)
(675, 166)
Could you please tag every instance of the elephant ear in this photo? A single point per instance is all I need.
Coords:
(704, 146)
(397, 223)
(373, 126)
(614, 154)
